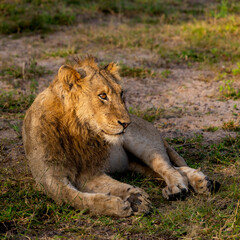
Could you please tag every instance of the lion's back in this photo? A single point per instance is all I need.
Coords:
(33, 127)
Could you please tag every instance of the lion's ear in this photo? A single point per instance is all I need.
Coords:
(82, 72)
(112, 68)
(68, 76)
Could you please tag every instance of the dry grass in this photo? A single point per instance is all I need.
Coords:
(205, 41)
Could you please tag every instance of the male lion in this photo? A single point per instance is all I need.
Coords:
(79, 128)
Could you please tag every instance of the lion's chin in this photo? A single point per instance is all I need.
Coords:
(114, 139)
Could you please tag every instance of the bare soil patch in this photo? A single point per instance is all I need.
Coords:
(189, 97)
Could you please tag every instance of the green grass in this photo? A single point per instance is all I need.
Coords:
(28, 72)
(211, 129)
(205, 41)
(236, 71)
(166, 73)
(135, 72)
(62, 52)
(24, 208)
(231, 126)
(228, 90)
(150, 114)
(226, 153)
(31, 16)
(27, 212)
(187, 33)
(35, 15)
(15, 102)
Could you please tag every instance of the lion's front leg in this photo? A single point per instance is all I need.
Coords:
(62, 190)
(145, 142)
(177, 184)
(138, 198)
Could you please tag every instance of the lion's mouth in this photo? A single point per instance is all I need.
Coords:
(121, 133)
(115, 134)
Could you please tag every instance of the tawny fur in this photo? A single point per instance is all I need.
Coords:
(74, 132)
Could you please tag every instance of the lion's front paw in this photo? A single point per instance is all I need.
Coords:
(139, 200)
(177, 187)
(173, 193)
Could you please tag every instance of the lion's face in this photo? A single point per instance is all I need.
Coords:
(97, 97)
(106, 103)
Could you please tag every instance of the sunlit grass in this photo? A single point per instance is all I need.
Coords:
(31, 16)
(61, 52)
(210, 41)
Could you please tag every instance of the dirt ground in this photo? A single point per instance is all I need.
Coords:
(188, 98)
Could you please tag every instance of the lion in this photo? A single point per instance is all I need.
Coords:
(78, 130)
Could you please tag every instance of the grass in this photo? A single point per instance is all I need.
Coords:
(150, 114)
(28, 72)
(229, 78)
(187, 33)
(29, 209)
(231, 126)
(236, 71)
(62, 52)
(166, 73)
(27, 212)
(31, 16)
(225, 153)
(229, 91)
(136, 72)
(34, 15)
(15, 102)
(211, 129)
(207, 40)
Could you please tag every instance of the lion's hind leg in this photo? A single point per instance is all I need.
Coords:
(174, 156)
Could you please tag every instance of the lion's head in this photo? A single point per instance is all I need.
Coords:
(96, 96)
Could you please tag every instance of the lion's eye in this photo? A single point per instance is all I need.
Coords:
(103, 96)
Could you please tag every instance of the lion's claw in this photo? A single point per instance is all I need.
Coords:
(213, 186)
(139, 201)
(179, 196)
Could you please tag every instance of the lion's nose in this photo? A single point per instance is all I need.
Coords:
(124, 124)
